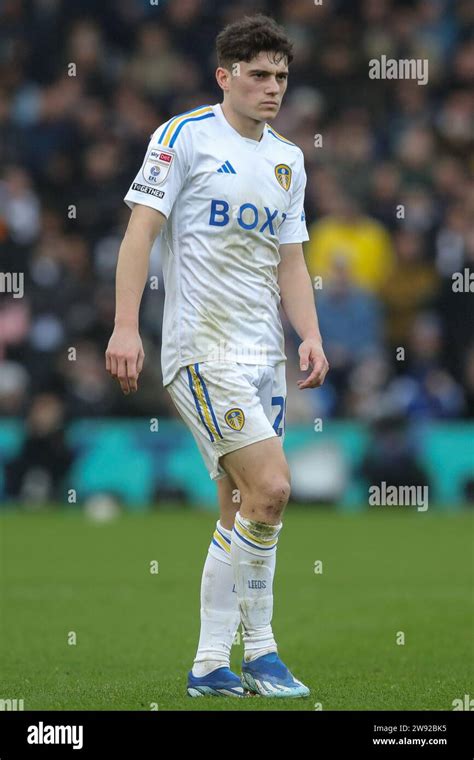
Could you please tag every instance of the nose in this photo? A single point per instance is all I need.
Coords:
(273, 86)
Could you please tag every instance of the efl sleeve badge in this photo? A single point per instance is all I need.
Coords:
(157, 166)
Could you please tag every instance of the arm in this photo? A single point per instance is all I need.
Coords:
(124, 355)
(297, 300)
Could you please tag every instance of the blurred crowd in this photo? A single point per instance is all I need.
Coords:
(389, 200)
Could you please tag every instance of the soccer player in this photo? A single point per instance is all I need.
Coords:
(227, 192)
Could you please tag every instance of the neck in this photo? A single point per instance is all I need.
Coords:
(244, 125)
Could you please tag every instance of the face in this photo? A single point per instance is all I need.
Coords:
(255, 89)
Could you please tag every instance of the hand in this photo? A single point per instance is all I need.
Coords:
(311, 352)
(124, 357)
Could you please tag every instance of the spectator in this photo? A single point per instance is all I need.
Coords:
(350, 235)
(37, 473)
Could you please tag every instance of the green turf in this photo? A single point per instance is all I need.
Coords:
(383, 572)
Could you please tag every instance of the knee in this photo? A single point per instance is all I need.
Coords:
(269, 497)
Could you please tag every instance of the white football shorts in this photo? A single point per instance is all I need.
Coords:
(228, 405)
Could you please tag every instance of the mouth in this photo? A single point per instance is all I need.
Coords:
(269, 103)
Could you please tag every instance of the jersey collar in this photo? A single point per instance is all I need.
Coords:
(246, 142)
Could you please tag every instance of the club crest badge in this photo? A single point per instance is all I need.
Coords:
(157, 166)
(235, 418)
(283, 174)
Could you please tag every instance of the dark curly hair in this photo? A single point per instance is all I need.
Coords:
(244, 39)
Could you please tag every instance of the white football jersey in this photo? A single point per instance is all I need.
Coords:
(229, 202)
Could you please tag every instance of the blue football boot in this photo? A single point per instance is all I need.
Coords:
(269, 677)
(222, 682)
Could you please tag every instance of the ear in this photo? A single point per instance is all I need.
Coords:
(222, 78)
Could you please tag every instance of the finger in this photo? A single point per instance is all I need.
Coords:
(132, 375)
(307, 384)
(325, 371)
(141, 359)
(316, 378)
(113, 365)
(321, 375)
(107, 361)
(122, 375)
(304, 360)
(316, 369)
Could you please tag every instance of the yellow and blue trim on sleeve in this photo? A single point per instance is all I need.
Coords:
(171, 130)
(278, 136)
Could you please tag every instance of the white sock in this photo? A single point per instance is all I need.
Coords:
(220, 615)
(253, 554)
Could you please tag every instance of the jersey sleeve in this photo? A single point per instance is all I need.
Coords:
(162, 174)
(293, 229)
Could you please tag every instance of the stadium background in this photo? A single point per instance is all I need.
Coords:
(75, 142)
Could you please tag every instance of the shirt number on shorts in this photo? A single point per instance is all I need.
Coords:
(280, 402)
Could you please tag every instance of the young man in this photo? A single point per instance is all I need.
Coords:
(227, 191)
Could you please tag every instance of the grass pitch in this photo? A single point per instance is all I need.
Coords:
(386, 575)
